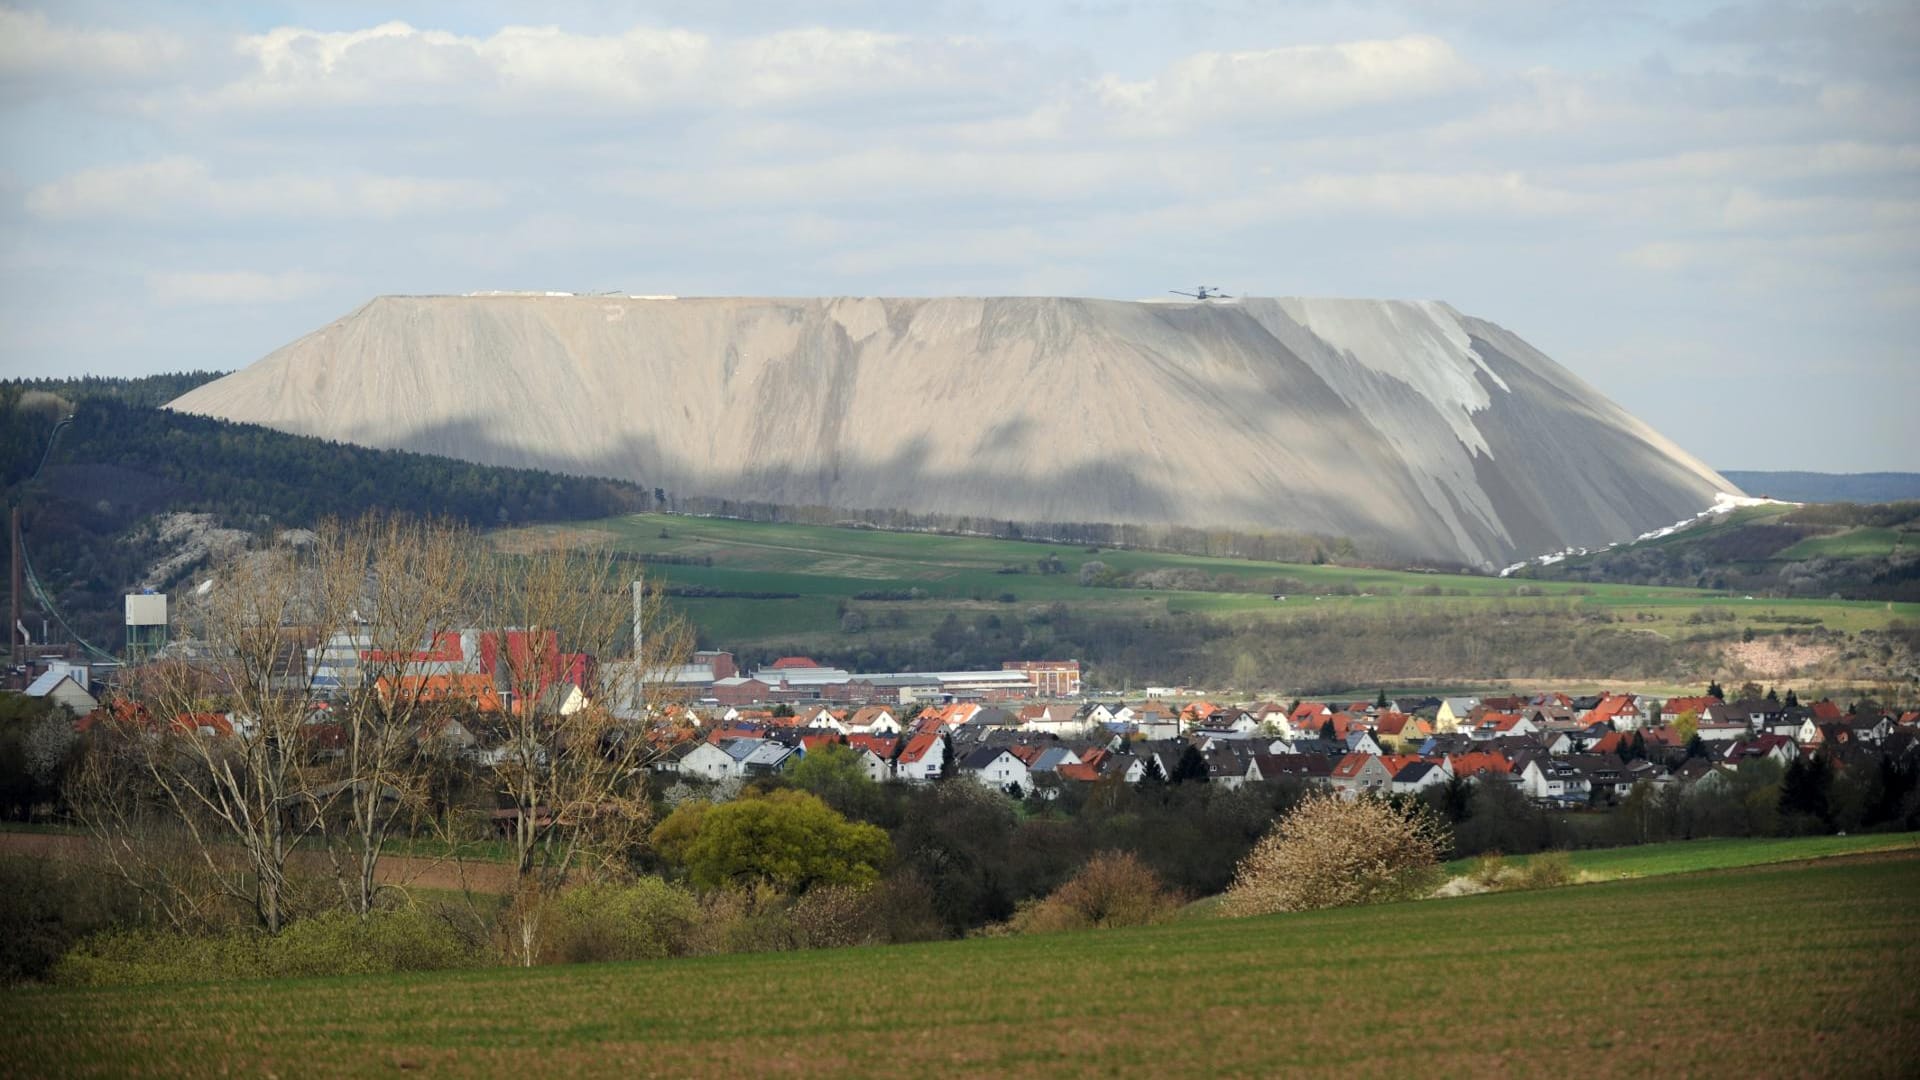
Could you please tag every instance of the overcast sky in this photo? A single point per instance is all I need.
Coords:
(1711, 212)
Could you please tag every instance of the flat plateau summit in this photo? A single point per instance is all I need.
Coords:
(1415, 430)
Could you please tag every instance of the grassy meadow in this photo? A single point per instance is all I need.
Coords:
(1790, 969)
(1687, 856)
(827, 567)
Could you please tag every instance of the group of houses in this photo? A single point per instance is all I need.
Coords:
(1553, 747)
(1024, 727)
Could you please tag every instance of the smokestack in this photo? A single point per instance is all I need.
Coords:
(639, 676)
(16, 631)
(640, 594)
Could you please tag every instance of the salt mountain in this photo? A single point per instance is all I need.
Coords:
(1407, 426)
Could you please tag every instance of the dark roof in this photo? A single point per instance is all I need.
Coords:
(981, 758)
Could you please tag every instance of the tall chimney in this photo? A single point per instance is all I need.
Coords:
(13, 616)
(639, 676)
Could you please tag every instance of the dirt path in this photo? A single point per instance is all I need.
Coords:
(404, 870)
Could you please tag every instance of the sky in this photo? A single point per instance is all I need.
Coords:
(1710, 212)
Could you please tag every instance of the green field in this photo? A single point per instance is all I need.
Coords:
(826, 567)
(1850, 544)
(1792, 969)
(1686, 856)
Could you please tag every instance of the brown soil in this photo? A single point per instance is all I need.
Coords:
(401, 870)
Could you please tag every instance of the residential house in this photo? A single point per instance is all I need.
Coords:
(1495, 725)
(1620, 711)
(1273, 719)
(1454, 712)
(873, 720)
(1361, 741)
(1399, 732)
(1475, 764)
(1230, 725)
(60, 685)
(1230, 770)
(1552, 779)
(996, 767)
(707, 761)
(821, 718)
(1674, 708)
(1061, 720)
(921, 757)
(1759, 713)
(1316, 769)
(1762, 747)
(1360, 774)
(1417, 776)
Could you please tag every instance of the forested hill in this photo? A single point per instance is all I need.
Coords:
(124, 460)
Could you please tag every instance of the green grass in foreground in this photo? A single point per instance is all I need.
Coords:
(1685, 856)
(1794, 969)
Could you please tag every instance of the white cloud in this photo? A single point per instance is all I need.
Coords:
(890, 175)
(1288, 81)
(33, 46)
(169, 187)
(543, 67)
(184, 288)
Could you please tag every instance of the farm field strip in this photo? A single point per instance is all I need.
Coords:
(826, 566)
(1688, 856)
(1687, 974)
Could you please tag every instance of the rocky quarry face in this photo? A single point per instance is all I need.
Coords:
(1406, 426)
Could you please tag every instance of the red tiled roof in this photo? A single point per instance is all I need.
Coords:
(1480, 761)
(1351, 766)
(878, 745)
(919, 746)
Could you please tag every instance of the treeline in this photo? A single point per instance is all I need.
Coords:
(239, 471)
(1177, 539)
(153, 390)
(1330, 653)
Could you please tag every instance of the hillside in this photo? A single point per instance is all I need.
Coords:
(1414, 432)
(1544, 982)
(92, 523)
(1867, 551)
(880, 601)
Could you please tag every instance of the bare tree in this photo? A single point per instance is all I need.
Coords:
(223, 725)
(411, 585)
(570, 760)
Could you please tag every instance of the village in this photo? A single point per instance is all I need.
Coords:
(1555, 748)
(1031, 730)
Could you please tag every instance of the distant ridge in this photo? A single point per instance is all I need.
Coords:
(1406, 426)
(1866, 487)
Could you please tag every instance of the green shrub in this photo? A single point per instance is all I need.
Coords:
(1546, 870)
(1112, 889)
(140, 956)
(342, 943)
(334, 943)
(46, 906)
(639, 920)
(1488, 870)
